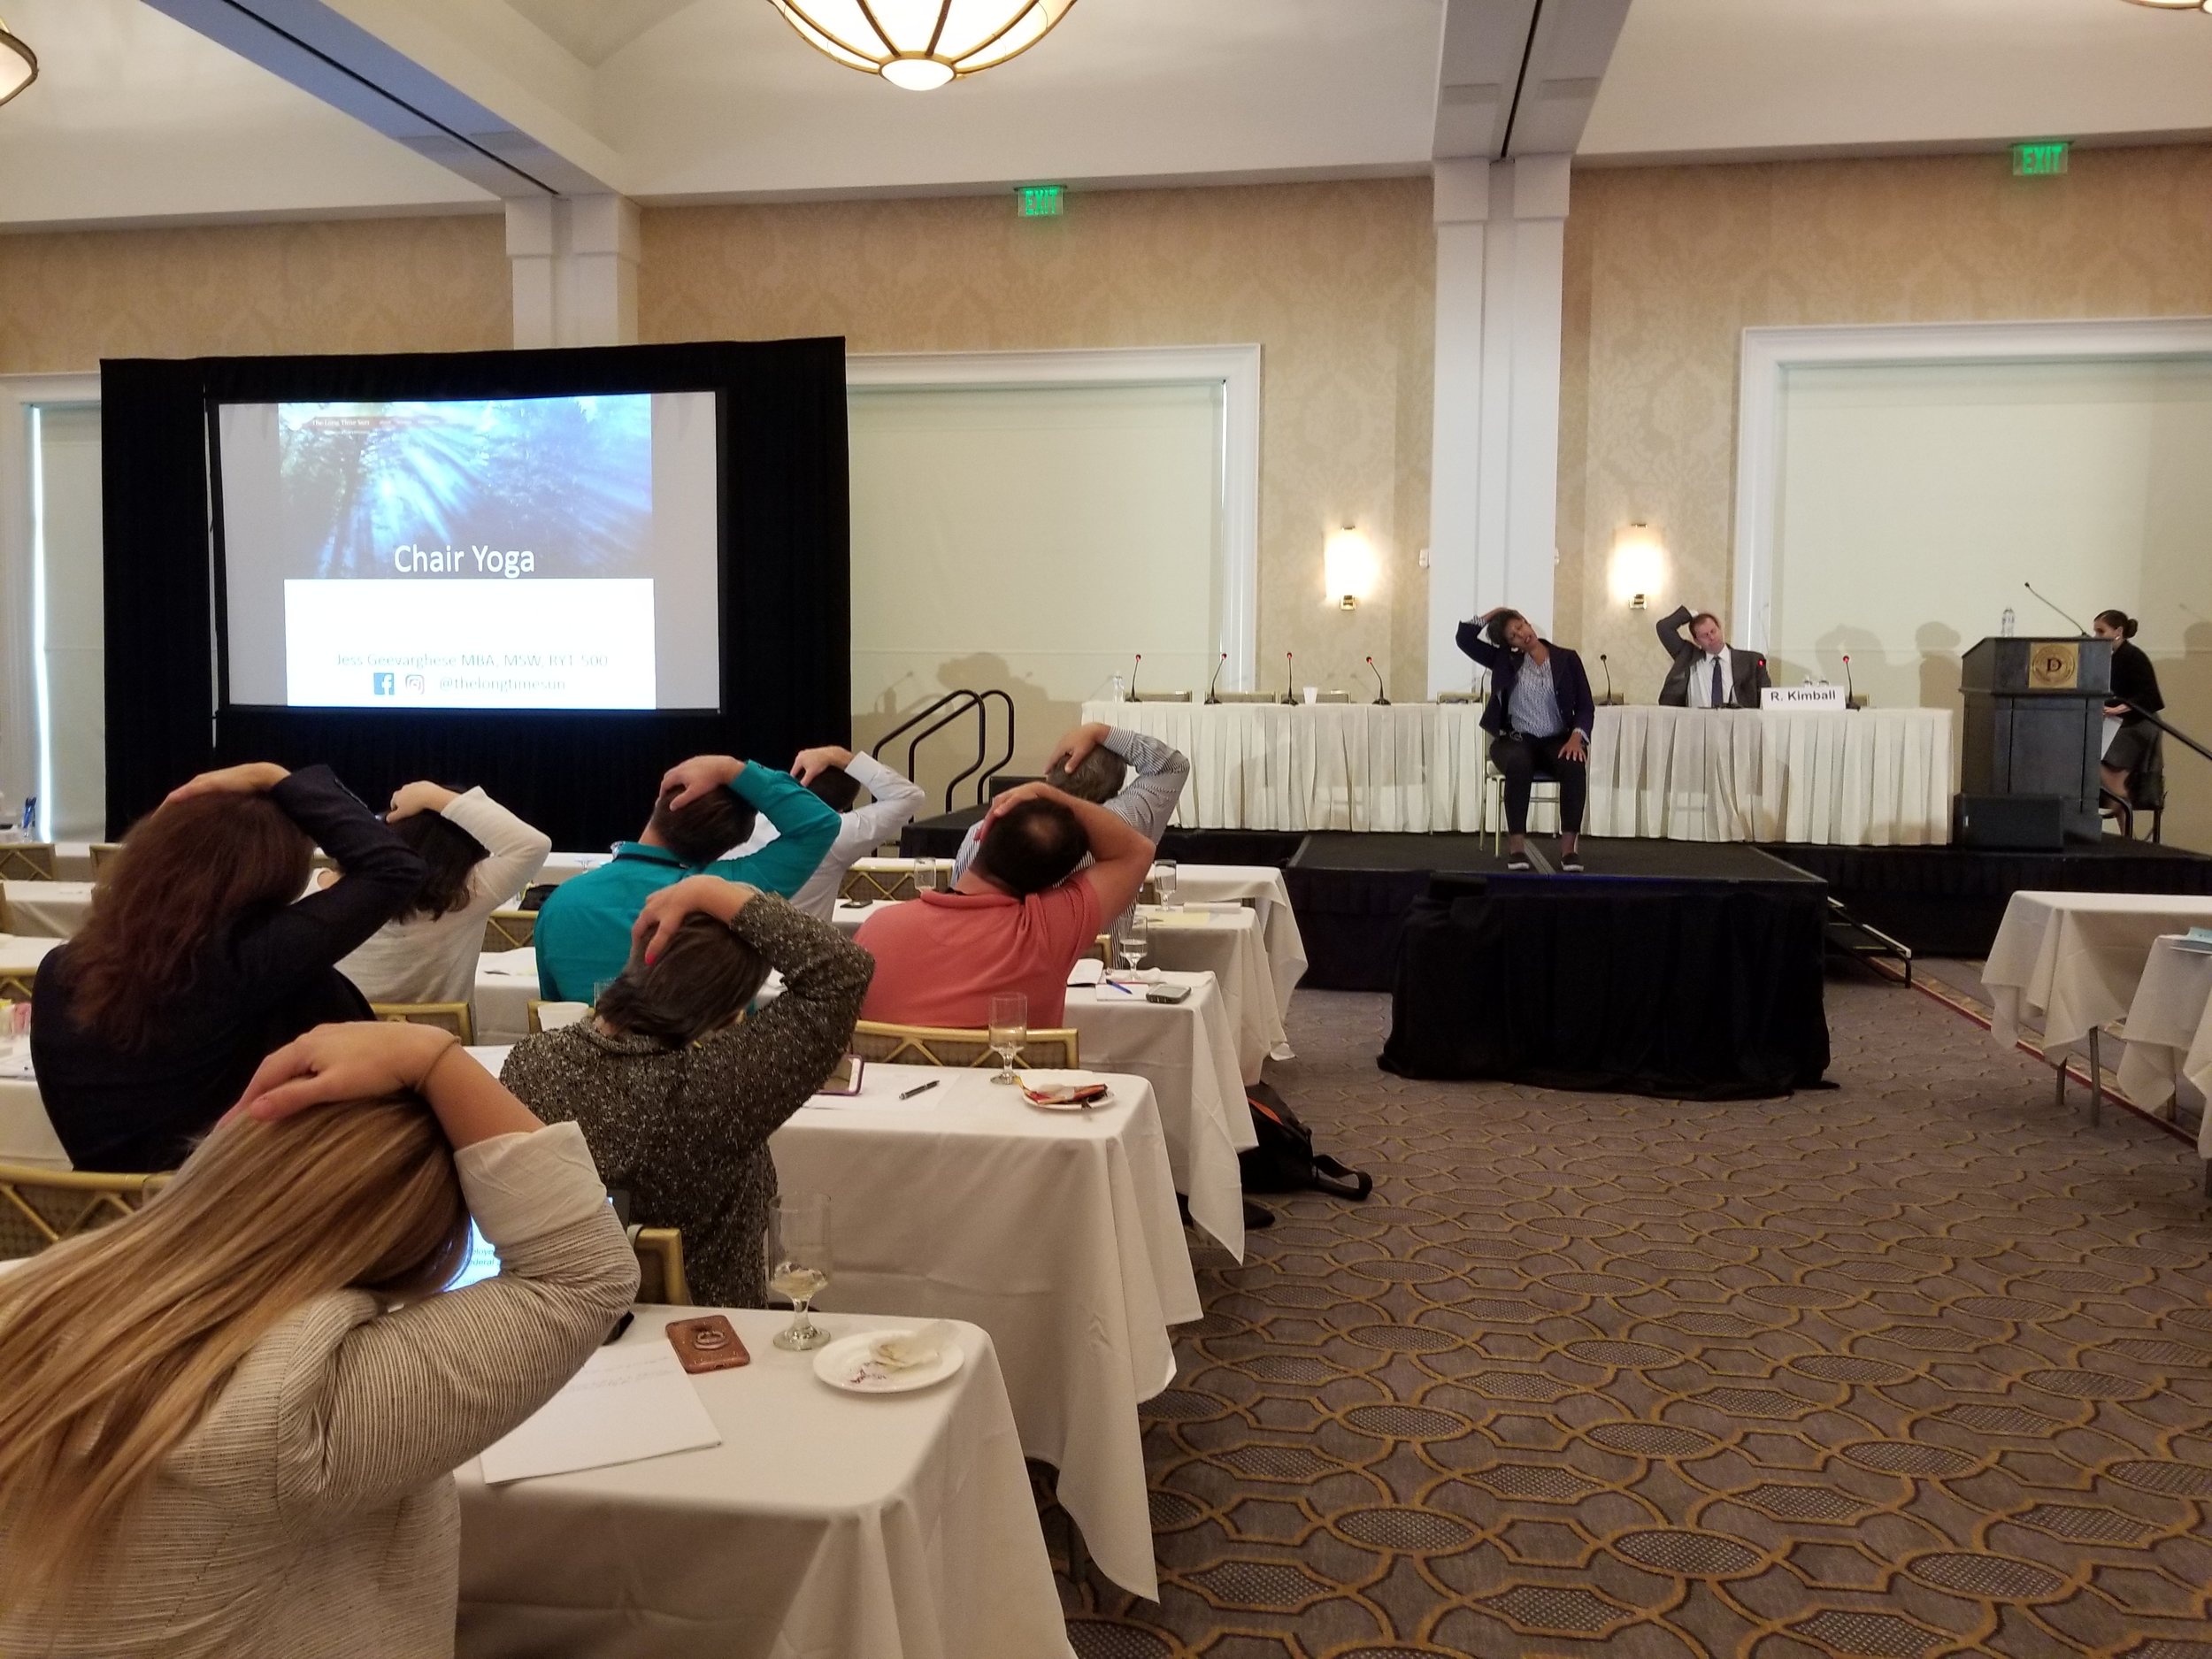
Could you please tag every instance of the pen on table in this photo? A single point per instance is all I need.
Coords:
(919, 1089)
(1118, 986)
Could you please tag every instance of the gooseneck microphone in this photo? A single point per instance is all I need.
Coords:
(1381, 700)
(1850, 692)
(1289, 695)
(1211, 696)
(1608, 667)
(2076, 627)
(1132, 676)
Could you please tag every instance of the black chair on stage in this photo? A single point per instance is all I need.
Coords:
(2146, 793)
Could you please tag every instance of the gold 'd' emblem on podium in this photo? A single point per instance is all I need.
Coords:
(2053, 665)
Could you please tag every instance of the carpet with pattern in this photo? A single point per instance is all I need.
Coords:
(1920, 1366)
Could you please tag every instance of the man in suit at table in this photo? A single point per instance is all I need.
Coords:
(1708, 671)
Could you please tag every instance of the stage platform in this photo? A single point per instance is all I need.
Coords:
(1351, 891)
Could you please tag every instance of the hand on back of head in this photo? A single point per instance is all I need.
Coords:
(251, 777)
(360, 1060)
(700, 775)
(664, 911)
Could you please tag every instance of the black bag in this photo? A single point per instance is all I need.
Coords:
(1284, 1160)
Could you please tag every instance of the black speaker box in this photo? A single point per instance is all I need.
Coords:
(2010, 823)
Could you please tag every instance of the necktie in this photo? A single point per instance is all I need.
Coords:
(1719, 696)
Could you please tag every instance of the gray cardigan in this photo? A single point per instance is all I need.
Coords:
(684, 1130)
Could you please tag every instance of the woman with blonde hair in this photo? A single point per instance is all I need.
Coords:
(228, 1423)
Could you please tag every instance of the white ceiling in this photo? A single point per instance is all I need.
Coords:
(135, 116)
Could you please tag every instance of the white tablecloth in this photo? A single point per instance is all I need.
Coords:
(1056, 1231)
(2074, 959)
(53, 909)
(1876, 777)
(560, 866)
(2170, 1030)
(506, 985)
(896, 1527)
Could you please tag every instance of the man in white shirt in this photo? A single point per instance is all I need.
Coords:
(837, 776)
(1137, 779)
(1708, 672)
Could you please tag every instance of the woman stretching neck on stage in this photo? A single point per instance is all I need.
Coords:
(1539, 717)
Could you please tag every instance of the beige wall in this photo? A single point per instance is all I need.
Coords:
(68, 299)
(1666, 267)
(1333, 282)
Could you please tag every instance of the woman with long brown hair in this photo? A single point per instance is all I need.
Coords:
(200, 957)
(228, 1424)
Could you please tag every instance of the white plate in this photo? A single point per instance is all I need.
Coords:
(841, 1366)
(1107, 1099)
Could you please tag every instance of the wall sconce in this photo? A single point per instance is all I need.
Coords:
(1639, 565)
(1347, 567)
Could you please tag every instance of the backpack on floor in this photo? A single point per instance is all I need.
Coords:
(1284, 1160)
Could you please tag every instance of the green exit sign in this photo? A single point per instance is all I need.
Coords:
(2039, 161)
(1039, 201)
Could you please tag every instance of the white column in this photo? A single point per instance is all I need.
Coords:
(1518, 527)
(574, 262)
(1462, 208)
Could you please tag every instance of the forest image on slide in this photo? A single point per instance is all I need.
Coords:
(568, 479)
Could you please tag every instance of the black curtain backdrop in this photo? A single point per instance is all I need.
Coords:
(584, 778)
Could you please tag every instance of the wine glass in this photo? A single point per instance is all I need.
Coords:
(1135, 936)
(1164, 885)
(795, 1250)
(1010, 1030)
(925, 876)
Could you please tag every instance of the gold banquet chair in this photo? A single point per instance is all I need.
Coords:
(865, 886)
(533, 1014)
(511, 930)
(938, 1045)
(40, 1207)
(453, 1017)
(28, 861)
(103, 855)
(16, 987)
(660, 1266)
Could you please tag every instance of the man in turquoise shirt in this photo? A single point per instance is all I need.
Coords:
(706, 806)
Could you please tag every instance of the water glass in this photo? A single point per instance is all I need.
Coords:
(795, 1251)
(1135, 937)
(1164, 885)
(925, 876)
(1010, 1030)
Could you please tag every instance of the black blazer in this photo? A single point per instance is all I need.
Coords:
(1750, 668)
(1570, 684)
(263, 979)
(2134, 681)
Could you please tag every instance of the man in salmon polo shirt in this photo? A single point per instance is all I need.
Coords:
(1017, 919)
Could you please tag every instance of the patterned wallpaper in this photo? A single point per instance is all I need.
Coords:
(1666, 267)
(1335, 282)
(433, 284)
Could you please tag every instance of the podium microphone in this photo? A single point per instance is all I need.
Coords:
(1381, 700)
(2077, 626)
(1850, 695)
(1132, 676)
(1608, 667)
(1211, 697)
(1289, 673)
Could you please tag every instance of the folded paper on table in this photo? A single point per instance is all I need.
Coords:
(630, 1401)
(1085, 972)
(1180, 918)
(904, 1350)
(510, 964)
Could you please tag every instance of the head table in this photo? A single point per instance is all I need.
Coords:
(1870, 777)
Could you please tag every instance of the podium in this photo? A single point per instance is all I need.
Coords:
(2035, 723)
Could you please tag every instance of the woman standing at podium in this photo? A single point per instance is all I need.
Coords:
(2128, 736)
(1538, 718)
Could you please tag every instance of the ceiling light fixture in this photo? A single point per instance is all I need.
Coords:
(18, 64)
(920, 45)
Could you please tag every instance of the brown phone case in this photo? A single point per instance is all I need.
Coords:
(707, 1344)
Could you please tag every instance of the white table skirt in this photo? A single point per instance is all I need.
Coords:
(1875, 776)
(898, 1527)
(2074, 959)
(2170, 1030)
(55, 909)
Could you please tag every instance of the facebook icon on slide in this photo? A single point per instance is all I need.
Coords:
(386, 685)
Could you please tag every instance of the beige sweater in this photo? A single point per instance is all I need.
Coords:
(313, 1513)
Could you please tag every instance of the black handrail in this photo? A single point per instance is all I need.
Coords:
(915, 718)
(963, 701)
(2177, 736)
(978, 771)
(954, 705)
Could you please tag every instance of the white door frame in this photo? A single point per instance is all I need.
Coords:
(1235, 369)
(22, 633)
(1768, 353)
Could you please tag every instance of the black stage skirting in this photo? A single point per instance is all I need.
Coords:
(1682, 971)
(1947, 900)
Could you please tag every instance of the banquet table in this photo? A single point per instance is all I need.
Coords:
(1188, 1051)
(1056, 1232)
(1869, 777)
(1223, 939)
(53, 909)
(2074, 960)
(2170, 1030)
(894, 1527)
